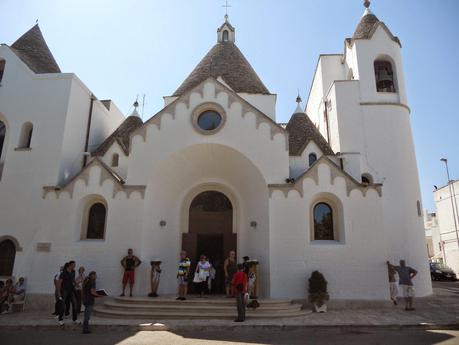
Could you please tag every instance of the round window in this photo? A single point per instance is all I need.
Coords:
(209, 120)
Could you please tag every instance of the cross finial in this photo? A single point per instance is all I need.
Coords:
(298, 98)
(366, 3)
(226, 9)
(36, 22)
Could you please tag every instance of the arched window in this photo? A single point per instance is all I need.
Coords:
(367, 179)
(225, 36)
(312, 158)
(2, 137)
(323, 222)
(96, 221)
(7, 256)
(384, 75)
(115, 160)
(25, 138)
(2, 69)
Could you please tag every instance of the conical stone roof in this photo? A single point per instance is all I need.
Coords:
(120, 135)
(301, 131)
(32, 49)
(365, 28)
(225, 60)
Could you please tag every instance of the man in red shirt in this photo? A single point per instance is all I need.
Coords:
(240, 286)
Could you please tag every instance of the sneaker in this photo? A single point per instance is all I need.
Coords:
(151, 294)
(130, 295)
(61, 322)
(155, 295)
(237, 320)
(77, 322)
(178, 299)
(122, 295)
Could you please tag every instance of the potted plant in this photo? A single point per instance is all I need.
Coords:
(318, 293)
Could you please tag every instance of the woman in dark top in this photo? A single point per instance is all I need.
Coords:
(230, 268)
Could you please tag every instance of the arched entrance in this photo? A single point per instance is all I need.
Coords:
(7, 256)
(210, 232)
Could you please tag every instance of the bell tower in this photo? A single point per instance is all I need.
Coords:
(378, 132)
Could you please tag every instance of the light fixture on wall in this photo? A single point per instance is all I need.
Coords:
(162, 223)
(253, 224)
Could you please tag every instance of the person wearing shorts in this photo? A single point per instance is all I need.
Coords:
(405, 274)
(130, 262)
(183, 272)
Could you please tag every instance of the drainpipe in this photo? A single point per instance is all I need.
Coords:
(88, 129)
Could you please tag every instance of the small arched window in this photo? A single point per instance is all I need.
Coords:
(7, 256)
(2, 137)
(384, 75)
(96, 221)
(115, 160)
(312, 158)
(2, 69)
(323, 222)
(367, 179)
(225, 36)
(25, 138)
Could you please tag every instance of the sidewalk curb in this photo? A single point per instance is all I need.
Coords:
(184, 328)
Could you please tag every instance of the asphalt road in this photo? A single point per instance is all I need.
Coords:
(374, 336)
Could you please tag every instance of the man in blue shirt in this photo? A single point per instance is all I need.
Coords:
(405, 274)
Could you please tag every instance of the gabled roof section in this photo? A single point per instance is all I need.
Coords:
(312, 172)
(225, 60)
(32, 49)
(367, 27)
(120, 135)
(301, 131)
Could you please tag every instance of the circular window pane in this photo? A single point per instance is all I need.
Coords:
(209, 120)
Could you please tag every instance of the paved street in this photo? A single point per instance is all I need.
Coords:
(268, 337)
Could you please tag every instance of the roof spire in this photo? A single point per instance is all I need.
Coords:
(136, 105)
(366, 4)
(226, 9)
(298, 107)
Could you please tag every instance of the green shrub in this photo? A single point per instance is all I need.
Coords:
(317, 290)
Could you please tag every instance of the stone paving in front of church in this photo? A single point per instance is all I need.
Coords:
(439, 310)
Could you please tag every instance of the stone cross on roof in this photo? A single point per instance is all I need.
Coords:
(226, 8)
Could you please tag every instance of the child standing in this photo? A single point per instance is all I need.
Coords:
(155, 277)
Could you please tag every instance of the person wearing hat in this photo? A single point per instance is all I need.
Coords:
(155, 277)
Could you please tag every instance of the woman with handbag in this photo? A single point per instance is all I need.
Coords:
(202, 274)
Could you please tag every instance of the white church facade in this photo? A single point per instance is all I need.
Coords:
(335, 189)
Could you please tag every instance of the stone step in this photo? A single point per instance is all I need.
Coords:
(195, 300)
(203, 307)
(183, 314)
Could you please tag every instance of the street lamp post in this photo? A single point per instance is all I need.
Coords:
(452, 193)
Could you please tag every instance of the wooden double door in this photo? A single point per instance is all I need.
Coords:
(210, 233)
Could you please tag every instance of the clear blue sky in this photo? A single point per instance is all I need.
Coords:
(123, 48)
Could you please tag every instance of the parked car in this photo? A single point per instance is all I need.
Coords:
(440, 271)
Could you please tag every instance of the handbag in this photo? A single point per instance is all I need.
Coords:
(197, 278)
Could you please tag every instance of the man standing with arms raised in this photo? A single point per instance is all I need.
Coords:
(130, 262)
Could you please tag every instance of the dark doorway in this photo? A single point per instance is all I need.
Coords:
(210, 233)
(7, 256)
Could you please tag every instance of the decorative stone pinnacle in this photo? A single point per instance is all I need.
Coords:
(367, 3)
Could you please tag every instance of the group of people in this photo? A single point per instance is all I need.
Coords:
(73, 290)
(236, 279)
(405, 275)
(10, 293)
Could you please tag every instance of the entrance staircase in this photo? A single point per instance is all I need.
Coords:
(193, 308)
